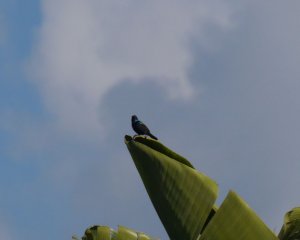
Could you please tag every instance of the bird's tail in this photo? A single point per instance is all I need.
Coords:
(152, 136)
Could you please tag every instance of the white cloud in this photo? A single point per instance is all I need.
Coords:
(85, 48)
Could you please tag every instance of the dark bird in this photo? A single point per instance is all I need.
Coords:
(140, 128)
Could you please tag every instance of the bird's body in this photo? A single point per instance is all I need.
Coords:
(140, 128)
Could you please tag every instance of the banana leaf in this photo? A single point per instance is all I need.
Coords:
(291, 227)
(184, 200)
(126, 234)
(99, 233)
(106, 233)
(158, 146)
(235, 220)
(182, 197)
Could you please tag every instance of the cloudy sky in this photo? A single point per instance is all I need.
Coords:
(217, 81)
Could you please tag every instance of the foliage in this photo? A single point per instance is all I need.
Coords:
(184, 200)
(291, 227)
(106, 233)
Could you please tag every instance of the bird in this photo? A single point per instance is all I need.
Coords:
(140, 128)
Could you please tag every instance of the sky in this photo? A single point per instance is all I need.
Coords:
(217, 81)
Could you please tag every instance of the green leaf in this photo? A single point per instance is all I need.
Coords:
(158, 146)
(106, 233)
(235, 220)
(182, 197)
(99, 233)
(291, 227)
(126, 234)
(143, 236)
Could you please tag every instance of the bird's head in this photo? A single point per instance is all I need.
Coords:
(134, 118)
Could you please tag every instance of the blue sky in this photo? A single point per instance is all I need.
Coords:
(215, 80)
